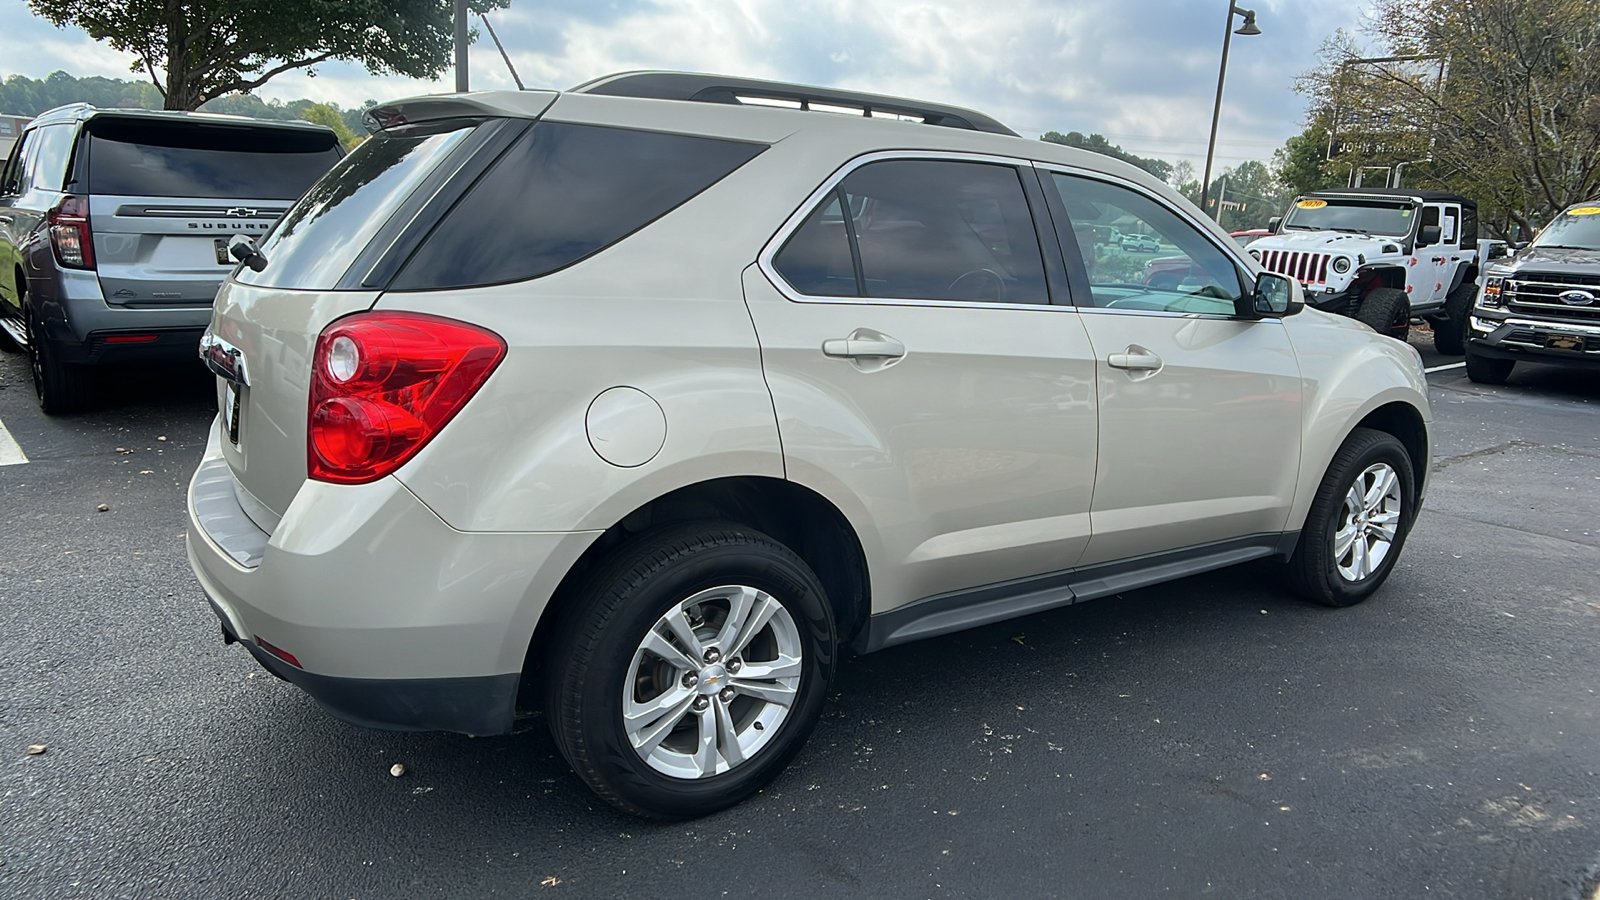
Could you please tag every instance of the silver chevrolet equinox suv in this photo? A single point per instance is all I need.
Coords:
(641, 402)
(114, 226)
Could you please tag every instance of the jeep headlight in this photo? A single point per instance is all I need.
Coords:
(1341, 264)
(1256, 254)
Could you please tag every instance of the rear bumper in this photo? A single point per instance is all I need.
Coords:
(138, 345)
(1523, 339)
(395, 619)
(83, 328)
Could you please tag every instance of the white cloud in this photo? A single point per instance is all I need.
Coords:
(1142, 72)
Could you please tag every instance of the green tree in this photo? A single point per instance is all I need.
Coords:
(1500, 101)
(1250, 195)
(197, 50)
(1097, 143)
(1301, 164)
(329, 115)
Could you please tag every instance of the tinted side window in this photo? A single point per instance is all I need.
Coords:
(185, 159)
(816, 259)
(13, 181)
(319, 238)
(945, 230)
(1188, 273)
(561, 193)
(50, 164)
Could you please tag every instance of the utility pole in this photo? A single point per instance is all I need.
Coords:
(461, 47)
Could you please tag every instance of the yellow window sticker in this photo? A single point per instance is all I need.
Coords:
(1312, 204)
(1584, 211)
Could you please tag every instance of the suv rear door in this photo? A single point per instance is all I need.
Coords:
(167, 193)
(919, 370)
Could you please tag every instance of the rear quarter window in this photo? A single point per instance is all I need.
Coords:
(561, 193)
(143, 158)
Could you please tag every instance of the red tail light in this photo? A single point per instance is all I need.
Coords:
(69, 233)
(383, 384)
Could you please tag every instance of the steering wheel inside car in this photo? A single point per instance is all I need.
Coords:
(979, 284)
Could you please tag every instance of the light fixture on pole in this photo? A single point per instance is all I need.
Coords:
(1248, 28)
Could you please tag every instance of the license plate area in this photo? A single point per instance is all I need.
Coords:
(220, 245)
(230, 411)
(1570, 342)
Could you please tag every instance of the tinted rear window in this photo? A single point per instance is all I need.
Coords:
(185, 159)
(563, 192)
(317, 240)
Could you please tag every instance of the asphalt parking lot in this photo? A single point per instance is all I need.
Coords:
(1210, 737)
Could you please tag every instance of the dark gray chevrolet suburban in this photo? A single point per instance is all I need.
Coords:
(114, 226)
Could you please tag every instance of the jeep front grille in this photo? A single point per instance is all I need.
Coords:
(1308, 268)
(1539, 294)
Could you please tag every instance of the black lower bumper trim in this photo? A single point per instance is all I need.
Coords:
(1487, 350)
(155, 345)
(475, 706)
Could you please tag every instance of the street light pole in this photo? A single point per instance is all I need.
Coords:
(1248, 28)
(461, 46)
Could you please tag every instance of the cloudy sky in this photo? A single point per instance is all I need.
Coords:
(1141, 72)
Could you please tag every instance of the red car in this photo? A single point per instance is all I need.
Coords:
(1169, 272)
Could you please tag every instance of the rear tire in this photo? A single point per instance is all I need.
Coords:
(1358, 522)
(661, 700)
(59, 387)
(1386, 311)
(1484, 370)
(1450, 335)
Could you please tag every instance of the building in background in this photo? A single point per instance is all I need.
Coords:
(10, 129)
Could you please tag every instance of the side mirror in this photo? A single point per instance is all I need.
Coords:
(1428, 236)
(243, 248)
(1274, 297)
(1274, 223)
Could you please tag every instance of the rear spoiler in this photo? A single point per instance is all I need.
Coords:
(500, 104)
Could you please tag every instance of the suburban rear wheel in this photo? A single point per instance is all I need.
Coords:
(60, 388)
(690, 670)
(1450, 335)
(1386, 311)
(1358, 521)
(1483, 370)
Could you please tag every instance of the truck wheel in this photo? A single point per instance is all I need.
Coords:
(1483, 370)
(1386, 311)
(1450, 335)
(60, 388)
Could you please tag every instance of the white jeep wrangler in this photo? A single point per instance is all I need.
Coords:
(1382, 256)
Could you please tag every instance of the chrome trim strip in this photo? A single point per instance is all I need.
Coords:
(1564, 327)
(223, 359)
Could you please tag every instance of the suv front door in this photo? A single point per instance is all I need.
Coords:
(1199, 410)
(921, 377)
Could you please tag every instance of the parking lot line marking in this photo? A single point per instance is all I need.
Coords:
(10, 453)
(1442, 368)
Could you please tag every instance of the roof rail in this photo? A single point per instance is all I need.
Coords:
(752, 91)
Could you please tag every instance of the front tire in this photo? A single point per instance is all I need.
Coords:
(1386, 311)
(690, 670)
(1450, 335)
(1484, 370)
(1358, 522)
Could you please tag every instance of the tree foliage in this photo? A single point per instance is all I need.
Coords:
(197, 50)
(1515, 122)
(23, 96)
(1097, 143)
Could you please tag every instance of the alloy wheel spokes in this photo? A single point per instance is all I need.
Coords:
(1370, 523)
(712, 681)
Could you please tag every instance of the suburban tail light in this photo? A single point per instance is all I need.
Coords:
(69, 233)
(383, 384)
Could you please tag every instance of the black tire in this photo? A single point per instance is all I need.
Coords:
(596, 640)
(59, 388)
(1484, 370)
(1450, 335)
(1386, 311)
(1313, 570)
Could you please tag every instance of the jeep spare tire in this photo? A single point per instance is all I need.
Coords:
(1386, 311)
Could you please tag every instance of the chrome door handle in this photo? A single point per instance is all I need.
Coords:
(861, 348)
(1136, 358)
